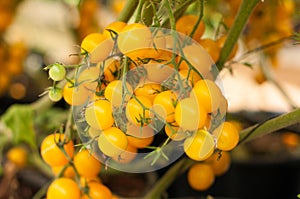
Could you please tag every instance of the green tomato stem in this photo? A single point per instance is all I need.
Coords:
(240, 21)
(164, 182)
(128, 10)
(270, 126)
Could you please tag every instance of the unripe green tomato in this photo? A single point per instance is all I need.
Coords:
(57, 72)
(55, 94)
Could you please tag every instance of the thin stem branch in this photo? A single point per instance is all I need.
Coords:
(263, 47)
(240, 21)
(201, 14)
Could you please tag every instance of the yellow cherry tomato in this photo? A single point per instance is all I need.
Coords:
(186, 24)
(208, 94)
(117, 94)
(91, 41)
(97, 190)
(99, 115)
(86, 165)
(134, 37)
(200, 176)
(164, 105)
(189, 114)
(75, 95)
(220, 163)
(112, 142)
(197, 56)
(200, 145)
(18, 156)
(227, 136)
(212, 48)
(112, 28)
(137, 110)
(62, 188)
(149, 90)
(52, 154)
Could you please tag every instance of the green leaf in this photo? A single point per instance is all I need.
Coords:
(19, 119)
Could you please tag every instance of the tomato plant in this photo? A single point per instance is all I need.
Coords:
(145, 92)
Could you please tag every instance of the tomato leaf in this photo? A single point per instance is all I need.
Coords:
(19, 119)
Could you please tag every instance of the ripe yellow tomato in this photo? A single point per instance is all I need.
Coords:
(18, 156)
(164, 105)
(115, 26)
(91, 41)
(137, 110)
(220, 163)
(112, 142)
(200, 176)
(189, 114)
(102, 50)
(139, 137)
(99, 115)
(117, 94)
(227, 136)
(97, 190)
(212, 48)
(52, 154)
(200, 145)
(158, 72)
(149, 90)
(186, 24)
(197, 56)
(86, 165)
(63, 188)
(75, 95)
(134, 37)
(208, 94)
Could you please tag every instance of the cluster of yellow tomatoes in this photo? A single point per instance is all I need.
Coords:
(11, 57)
(134, 77)
(76, 173)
